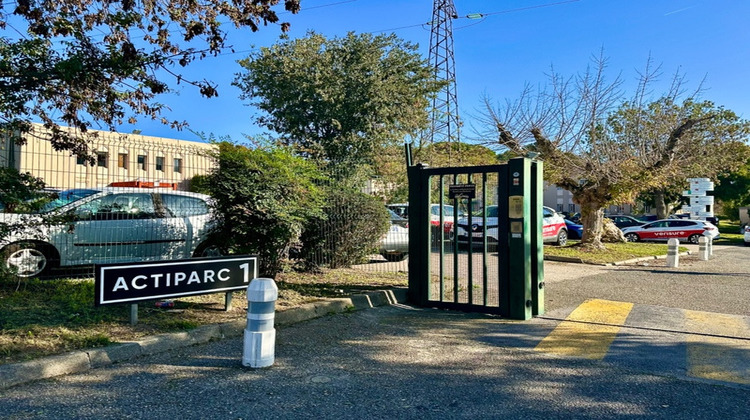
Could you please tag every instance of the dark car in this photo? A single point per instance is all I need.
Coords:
(623, 221)
(575, 231)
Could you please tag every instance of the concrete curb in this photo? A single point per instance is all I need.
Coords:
(631, 261)
(81, 361)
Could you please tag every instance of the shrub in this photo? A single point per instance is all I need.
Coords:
(263, 198)
(351, 230)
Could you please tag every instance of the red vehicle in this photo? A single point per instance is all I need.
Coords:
(663, 230)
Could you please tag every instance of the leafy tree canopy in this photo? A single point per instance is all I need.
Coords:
(605, 148)
(86, 62)
(342, 99)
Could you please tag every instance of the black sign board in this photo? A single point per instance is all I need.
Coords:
(462, 191)
(135, 282)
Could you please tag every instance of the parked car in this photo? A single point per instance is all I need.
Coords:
(622, 221)
(573, 217)
(402, 209)
(747, 235)
(398, 220)
(553, 229)
(395, 244)
(665, 229)
(575, 231)
(108, 225)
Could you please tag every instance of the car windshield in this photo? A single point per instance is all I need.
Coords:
(66, 197)
(491, 212)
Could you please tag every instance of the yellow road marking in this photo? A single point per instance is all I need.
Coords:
(718, 358)
(577, 336)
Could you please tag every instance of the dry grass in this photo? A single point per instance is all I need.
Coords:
(40, 318)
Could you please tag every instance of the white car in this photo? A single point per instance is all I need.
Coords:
(402, 209)
(553, 230)
(665, 229)
(747, 235)
(108, 225)
(395, 245)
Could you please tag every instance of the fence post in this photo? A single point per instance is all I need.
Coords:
(673, 253)
(703, 248)
(260, 335)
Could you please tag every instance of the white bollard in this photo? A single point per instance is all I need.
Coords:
(260, 335)
(673, 253)
(710, 246)
(703, 248)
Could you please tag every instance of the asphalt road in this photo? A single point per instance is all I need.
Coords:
(405, 362)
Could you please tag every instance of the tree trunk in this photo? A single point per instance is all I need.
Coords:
(592, 215)
(660, 205)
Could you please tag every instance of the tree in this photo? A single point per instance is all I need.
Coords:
(712, 146)
(81, 62)
(733, 189)
(340, 100)
(605, 150)
(264, 197)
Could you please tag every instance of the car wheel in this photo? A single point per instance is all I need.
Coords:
(747, 243)
(29, 259)
(395, 257)
(208, 249)
(693, 239)
(562, 238)
(632, 237)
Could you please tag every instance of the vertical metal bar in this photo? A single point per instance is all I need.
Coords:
(455, 249)
(470, 260)
(228, 301)
(484, 222)
(442, 238)
(537, 245)
(133, 313)
(503, 245)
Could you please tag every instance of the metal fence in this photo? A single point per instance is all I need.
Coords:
(166, 222)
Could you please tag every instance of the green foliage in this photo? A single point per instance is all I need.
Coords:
(351, 230)
(264, 197)
(17, 189)
(340, 100)
(59, 67)
(733, 191)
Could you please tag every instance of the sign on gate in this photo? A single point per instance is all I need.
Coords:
(135, 282)
(462, 191)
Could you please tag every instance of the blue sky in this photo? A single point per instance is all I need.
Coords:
(516, 43)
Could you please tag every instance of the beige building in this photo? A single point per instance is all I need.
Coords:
(119, 158)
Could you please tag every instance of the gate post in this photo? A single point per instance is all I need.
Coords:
(519, 251)
(419, 234)
(537, 242)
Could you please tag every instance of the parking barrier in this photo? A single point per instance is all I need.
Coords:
(673, 253)
(260, 335)
(703, 251)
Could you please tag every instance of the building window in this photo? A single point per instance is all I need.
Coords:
(80, 160)
(572, 208)
(178, 165)
(159, 163)
(559, 207)
(142, 162)
(122, 160)
(101, 159)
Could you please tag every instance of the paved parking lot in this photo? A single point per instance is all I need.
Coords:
(641, 341)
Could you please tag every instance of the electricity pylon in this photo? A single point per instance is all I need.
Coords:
(444, 124)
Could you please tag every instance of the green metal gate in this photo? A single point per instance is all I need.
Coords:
(475, 238)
